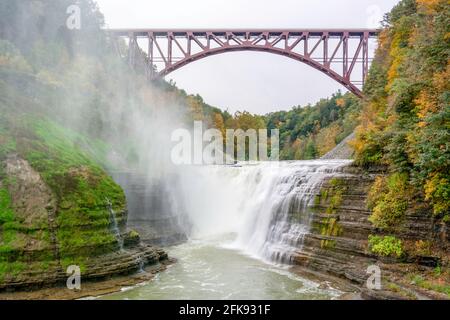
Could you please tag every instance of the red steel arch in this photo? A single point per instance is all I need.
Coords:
(173, 49)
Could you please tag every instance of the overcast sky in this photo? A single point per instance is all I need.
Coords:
(253, 81)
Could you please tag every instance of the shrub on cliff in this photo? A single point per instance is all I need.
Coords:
(388, 199)
(386, 246)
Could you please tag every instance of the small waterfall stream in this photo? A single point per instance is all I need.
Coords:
(114, 224)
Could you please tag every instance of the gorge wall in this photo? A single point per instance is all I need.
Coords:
(337, 243)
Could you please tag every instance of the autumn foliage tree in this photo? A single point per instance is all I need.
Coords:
(405, 121)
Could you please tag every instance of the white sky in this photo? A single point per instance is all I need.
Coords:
(253, 81)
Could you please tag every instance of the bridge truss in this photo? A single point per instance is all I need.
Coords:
(343, 55)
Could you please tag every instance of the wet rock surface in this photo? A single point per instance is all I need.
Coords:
(150, 211)
(90, 288)
(99, 268)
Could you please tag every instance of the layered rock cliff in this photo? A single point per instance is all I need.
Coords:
(338, 241)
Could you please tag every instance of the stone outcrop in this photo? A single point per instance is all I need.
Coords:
(342, 150)
(99, 268)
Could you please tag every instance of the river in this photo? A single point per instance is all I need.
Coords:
(208, 269)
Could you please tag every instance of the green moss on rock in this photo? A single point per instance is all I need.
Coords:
(83, 192)
(330, 198)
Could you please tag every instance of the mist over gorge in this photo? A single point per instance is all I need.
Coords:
(88, 181)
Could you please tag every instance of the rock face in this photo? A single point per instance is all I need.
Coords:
(32, 252)
(337, 243)
(342, 150)
(150, 211)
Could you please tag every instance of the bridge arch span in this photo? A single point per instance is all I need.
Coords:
(295, 56)
(332, 48)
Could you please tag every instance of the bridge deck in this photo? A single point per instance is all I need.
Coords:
(243, 32)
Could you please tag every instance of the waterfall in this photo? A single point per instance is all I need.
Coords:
(277, 216)
(267, 205)
(114, 224)
(141, 264)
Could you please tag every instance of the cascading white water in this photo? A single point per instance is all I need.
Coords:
(278, 213)
(266, 204)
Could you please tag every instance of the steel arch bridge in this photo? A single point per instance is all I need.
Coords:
(335, 52)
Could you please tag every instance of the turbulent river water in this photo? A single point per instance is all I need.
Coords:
(208, 269)
(247, 222)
